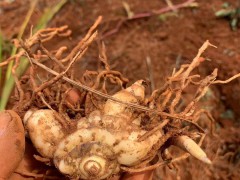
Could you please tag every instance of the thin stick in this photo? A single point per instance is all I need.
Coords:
(175, 7)
(188, 3)
(171, 5)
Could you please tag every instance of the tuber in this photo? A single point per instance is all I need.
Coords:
(98, 147)
(101, 143)
(44, 131)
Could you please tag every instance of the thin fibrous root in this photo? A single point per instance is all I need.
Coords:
(226, 81)
(82, 86)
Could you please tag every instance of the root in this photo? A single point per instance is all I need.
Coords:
(171, 96)
(35, 175)
(41, 159)
(17, 82)
(29, 174)
(87, 38)
(226, 81)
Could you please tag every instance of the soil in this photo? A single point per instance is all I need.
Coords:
(168, 43)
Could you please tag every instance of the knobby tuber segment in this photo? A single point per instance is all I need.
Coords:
(88, 130)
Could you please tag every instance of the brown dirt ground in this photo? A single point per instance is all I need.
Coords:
(168, 43)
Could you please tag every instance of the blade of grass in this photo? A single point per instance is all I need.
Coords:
(42, 23)
(7, 88)
(20, 34)
(48, 15)
(1, 42)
